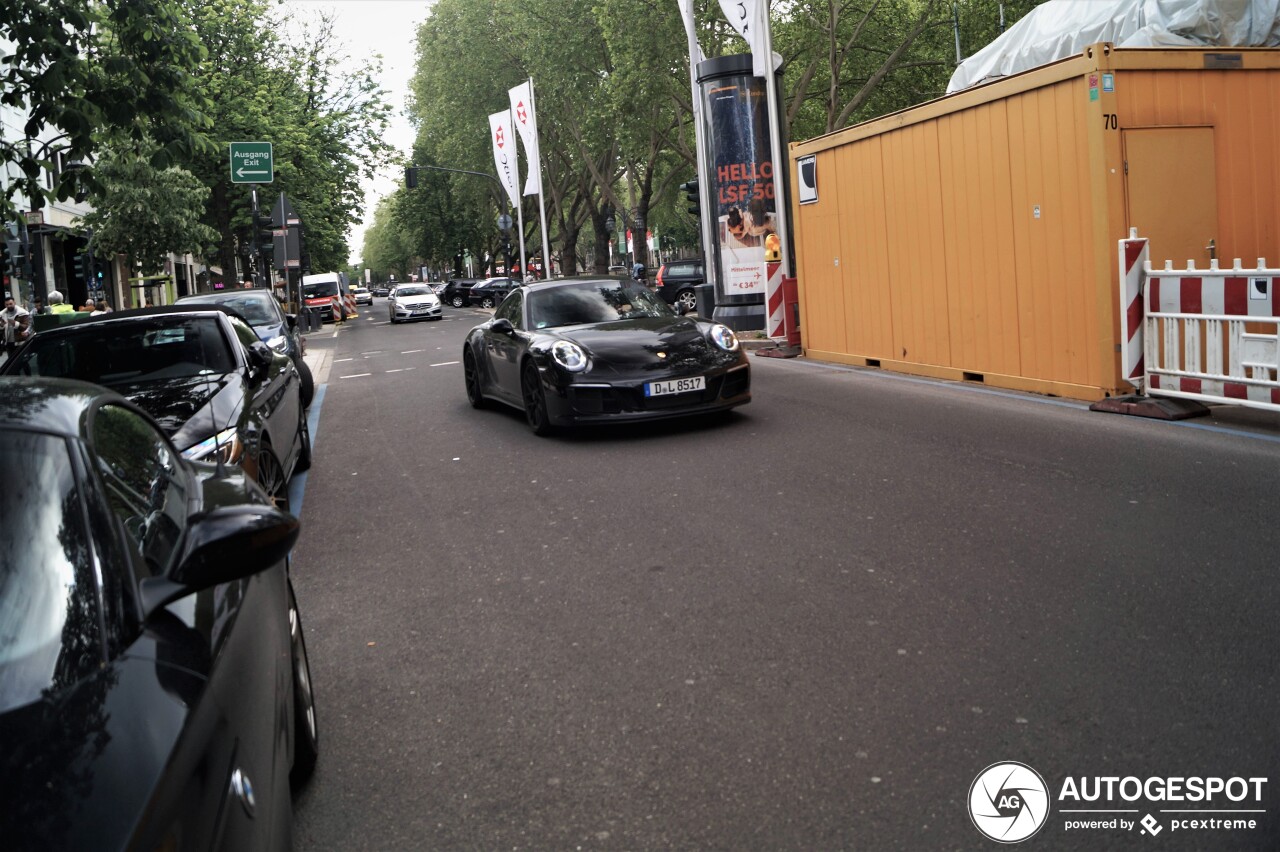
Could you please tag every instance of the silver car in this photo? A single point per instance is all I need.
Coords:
(413, 301)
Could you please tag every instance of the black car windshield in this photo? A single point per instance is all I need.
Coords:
(127, 352)
(49, 635)
(593, 301)
(412, 291)
(255, 307)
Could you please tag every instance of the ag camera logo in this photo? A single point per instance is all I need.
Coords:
(1008, 802)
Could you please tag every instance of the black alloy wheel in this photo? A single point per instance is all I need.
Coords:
(535, 401)
(306, 734)
(307, 383)
(271, 478)
(687, 299)
(457, 301)
(486, 302)
(471, 374)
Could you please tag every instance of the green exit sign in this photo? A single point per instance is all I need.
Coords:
(251, 162)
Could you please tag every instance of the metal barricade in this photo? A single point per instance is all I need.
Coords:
(1210, 335)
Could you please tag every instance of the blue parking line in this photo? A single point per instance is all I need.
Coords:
(298, 485)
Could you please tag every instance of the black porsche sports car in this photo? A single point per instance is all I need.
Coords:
(155, 691)
(596, 350)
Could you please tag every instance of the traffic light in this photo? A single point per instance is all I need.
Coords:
(78, 266)
(6, 261)
(263, 237)
(690, 189)
(411, 177)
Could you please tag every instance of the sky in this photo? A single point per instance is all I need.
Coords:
(387, 27)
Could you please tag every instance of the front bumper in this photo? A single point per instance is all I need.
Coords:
(423, 312)
(624, 401)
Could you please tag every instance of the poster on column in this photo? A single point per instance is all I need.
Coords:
(742, 182)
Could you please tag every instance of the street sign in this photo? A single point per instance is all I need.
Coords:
(251, 162)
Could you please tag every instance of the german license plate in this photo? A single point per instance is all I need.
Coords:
(696, 383)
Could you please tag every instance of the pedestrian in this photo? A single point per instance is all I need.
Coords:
(57, 306)
(87, 307)
(39, 309)
(100, 307)
(17, 324)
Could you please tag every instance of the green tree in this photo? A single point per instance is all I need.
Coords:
(94, 70)
(145, 212)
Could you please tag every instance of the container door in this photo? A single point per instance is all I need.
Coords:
(1171, 192)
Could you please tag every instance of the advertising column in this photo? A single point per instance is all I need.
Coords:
(743, 198)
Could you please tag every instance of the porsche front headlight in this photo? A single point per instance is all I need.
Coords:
(724, 337)
(569, 355)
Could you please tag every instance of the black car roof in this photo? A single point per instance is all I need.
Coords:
(143, 313)
(49, 405)
(580, 279)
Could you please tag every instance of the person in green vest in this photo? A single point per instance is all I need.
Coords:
(57, 306)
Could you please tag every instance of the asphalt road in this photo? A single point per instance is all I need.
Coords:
(809, 626)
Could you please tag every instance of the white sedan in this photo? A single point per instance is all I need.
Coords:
(413, 301)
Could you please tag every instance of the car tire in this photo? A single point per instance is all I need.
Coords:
(535, 400)
(457, 301)
(272, 479)
(486, 302)
(687, 299)
(306, 734)
(471, 375)
(304, 452)
(306, 383)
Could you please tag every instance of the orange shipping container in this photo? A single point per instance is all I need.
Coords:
(975, 237)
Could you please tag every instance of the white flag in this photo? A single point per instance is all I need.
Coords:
(750, 18)
(504, 154)
(527, 126)
(690, 31)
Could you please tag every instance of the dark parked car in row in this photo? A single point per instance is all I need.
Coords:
(490, 292)
(381, 290)
(155, 691)
(599, 350)
(676, 281)
(456, 290)
(274, 327)
(216, 389)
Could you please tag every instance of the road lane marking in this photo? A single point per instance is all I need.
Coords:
(356, 376)
(446, 363)
(336, 360)
(412, 351)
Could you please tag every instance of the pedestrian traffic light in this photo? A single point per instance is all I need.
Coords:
(690, 189)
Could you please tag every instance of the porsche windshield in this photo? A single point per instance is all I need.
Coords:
(593, 301)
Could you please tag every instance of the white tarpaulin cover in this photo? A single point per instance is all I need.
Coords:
(1061, 28)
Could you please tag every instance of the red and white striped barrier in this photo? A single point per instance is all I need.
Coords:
(775, 302)
(1134, 257)
(1213, 335)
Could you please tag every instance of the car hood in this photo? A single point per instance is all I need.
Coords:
(190, 409)
(635, 344)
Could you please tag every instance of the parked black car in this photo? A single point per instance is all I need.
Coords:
(273, 326)
(155, 691)
(381, 290)
(201, 372)
(456, 290)
(490, 292)
(676, 282)
(599, 350)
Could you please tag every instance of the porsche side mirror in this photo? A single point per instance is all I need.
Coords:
(227, 544)
(503, 326)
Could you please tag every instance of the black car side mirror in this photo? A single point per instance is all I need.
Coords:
(259, 359)
(292, 320)
(227, 544)
(502, 326)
